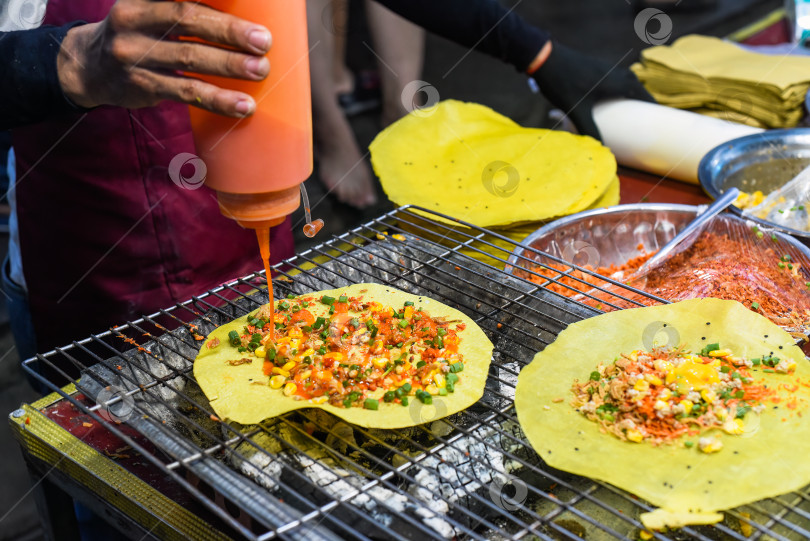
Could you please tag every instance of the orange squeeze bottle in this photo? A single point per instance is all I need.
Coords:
(256, 164)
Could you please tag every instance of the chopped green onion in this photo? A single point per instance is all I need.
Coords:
(321, 350)
(233, 336)
(451, 378)
(354, 322)
(406, 388)
(319, 322)
(371, 404)
(290, 296)
(402, 323)
(725, 369)
(271, 354)
(420, 364)
(595, 376)
(441, 331)
(755, 305)
(457, 367)
(326, 299)
(451, 387)
(343, 298)
(404, 400)
(408, 303)
(443, 392)
(709, 348)
(389, 396)
(688, 444)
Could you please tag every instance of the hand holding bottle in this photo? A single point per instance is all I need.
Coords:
(146, 51)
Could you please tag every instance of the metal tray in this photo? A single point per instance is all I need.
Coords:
(763, 161)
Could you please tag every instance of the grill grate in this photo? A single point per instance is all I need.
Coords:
(307, 475)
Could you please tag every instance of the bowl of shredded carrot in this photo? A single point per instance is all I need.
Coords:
(594, 258)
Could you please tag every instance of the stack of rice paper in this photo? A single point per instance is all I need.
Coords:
(473, 164)
(714, 77)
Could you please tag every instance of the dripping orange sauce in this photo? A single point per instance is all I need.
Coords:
(263, 236)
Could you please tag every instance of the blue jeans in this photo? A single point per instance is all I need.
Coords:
(22, 327)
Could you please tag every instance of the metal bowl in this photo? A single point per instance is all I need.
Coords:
(763, 161)
(612, 236)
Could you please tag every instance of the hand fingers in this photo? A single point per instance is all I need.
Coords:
(194, 57)
(191, 19)
(582, 117)
(194, 92)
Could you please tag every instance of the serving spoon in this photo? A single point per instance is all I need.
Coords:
(720, 204)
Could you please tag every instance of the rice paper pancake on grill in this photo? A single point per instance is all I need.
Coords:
(689, 486)
(467, 161)
(239, 385)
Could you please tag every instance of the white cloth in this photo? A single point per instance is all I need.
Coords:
(21, 14)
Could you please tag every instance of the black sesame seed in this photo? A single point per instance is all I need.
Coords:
(703, 338)
(708, 323)
(780, 347)
(576, 448)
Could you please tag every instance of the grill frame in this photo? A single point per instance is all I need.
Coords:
(304, 518)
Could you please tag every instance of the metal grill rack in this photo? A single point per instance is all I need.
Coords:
(307, 475)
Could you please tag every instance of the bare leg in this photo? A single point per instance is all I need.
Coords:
(341, 167)
(344, 80)
(400, 46)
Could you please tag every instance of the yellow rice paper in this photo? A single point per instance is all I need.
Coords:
(688, 486)
(240, 393)
(467, 161)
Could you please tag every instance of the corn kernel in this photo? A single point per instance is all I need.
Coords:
(261, 352)
(670, 377)
(295, 332)
(303, 376)
(289, 365)
(432, 389)
(791, 366)
(708, 395)
(634, 435)
(665, 394)
(440, 381)
(720, 353)
(398, 237)
(641, 386)
(379, 362)
(408, 312)
(374, 306)
(319, 399)
(709, 445)
(660, 405)
(281, 372)
(745, 526)
(277, 381)
(663, 366)
(645, 535)
(736, 361)
(734, 427)
(380, 237)
(721, 413)
(652, 379)
(687, 406)
(290, 388)
(633, 356)
(308, 352)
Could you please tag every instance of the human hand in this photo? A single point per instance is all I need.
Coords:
(575, 82)
(133, 57)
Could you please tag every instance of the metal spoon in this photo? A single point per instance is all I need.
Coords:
(720, 204)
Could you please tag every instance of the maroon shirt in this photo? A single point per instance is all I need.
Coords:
(105, 235)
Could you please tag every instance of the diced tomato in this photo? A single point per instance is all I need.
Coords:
(267, 368)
